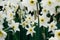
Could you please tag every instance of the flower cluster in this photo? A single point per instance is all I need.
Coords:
(30, 15)
(50, 8)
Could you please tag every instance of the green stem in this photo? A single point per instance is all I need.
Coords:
(14, 36)
(43, 33)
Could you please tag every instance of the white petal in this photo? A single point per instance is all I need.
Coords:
(27, 33)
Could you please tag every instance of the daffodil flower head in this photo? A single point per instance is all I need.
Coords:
(57, 34)
(30, 30)
(14, 25)
(49, 3)
(52, 26)
(24, 24)
(43, 20)
(3, 34)
(32, 2)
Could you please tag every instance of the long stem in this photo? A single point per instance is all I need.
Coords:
(38, 21)
(43, 33)
(15, 37)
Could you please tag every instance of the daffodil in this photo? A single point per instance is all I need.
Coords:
(24, 24)
(52, 26)
(49, 5)
(3, 35)
(10, 15)
(30, 30)
(44, 11)
(43, 20)
(29, 18)
(30, 4)
(14, 25)
(11, 5)
(57, 34)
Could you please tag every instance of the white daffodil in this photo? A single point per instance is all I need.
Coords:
(14, 26)
(44, 11)
(29, 18)
(6, 6)
(49, 5)
(30, 4)
(57, 34)
(43, 20)
(52, 26)
(10, 15)
(3, 35)
(30, 30)
(24, 24)
(11, 5)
